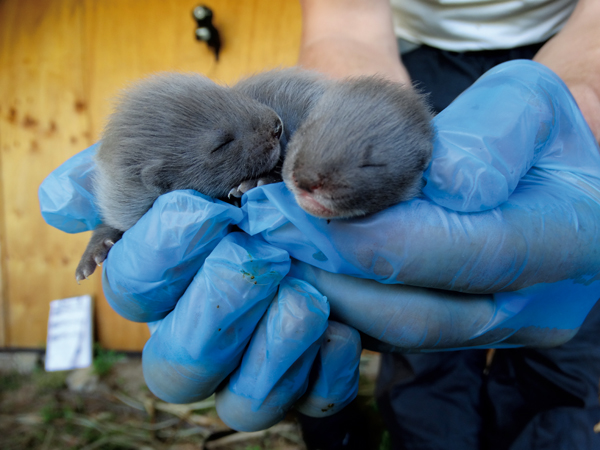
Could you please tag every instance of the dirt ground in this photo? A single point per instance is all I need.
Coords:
(109, 407)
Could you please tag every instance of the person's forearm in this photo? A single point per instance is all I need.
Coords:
(349, 38)
(574, 55)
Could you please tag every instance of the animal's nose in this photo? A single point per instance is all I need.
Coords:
(278, 129)
(310, 183)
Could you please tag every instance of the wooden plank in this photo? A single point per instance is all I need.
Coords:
(61, 63)
(43, 124)
(3, 277)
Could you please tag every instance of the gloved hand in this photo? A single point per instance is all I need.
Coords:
(205, 290)
(517, 121)
(515, 152)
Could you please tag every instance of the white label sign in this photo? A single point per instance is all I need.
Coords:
(69, 341)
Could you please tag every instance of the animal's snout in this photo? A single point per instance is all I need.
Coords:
(308, 183)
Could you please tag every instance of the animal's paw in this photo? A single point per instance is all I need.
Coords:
(103, 238)
(245, 186)
(93, 256)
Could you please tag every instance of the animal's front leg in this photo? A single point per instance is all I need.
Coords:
(103, 238)
(245, 186)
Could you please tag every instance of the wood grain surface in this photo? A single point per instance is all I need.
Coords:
(61, 63)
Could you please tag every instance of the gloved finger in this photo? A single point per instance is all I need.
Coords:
(151, 266)
(334, 375)
(274, 372)
(543, 233)
(196, 346)
(66, 197)
(516, 116)
(548, 231)
(419, 319)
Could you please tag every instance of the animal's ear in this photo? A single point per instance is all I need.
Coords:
(155, 178)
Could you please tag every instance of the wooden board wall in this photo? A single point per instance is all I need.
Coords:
(61, 62)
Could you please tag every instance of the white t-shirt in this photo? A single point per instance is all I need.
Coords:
(463, 25)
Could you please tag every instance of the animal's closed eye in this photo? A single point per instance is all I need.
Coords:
(368, 155)
(363, 165)
(223, 144)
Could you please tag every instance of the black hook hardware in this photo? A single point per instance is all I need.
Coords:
(206, 31)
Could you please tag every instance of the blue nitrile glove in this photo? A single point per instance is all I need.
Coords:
(210, 319)
(514, 142)
(542, 239)
(198, 344)
(66, 197)
(275, 371)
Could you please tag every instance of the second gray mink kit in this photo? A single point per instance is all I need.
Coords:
(344, 148)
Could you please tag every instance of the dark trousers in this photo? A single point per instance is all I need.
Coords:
(529, 400)
(526, 400)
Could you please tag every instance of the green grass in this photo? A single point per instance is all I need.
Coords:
(104, 360)
(386, 441)
(53, 411)
(49, 381)
(10, 381)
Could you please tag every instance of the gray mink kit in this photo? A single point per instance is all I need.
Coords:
(348, 148)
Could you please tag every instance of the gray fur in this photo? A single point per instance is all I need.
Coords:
(177, 131)
(353, 147)
(180, 131)
(291, 93)
(363, 148)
